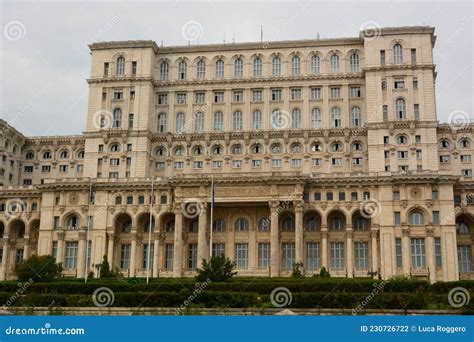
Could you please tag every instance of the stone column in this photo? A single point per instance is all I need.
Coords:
(299, 256)
(110, 250)
(60, 252)
(81, 255)
(274, 239)
(133, 255)
(324, 248)
(375, 254)
(430, 254)
(26, 248)
(6, 251)
(406, 254)
(155, 256)
(178, 243)
(349, 253)
(202, 240)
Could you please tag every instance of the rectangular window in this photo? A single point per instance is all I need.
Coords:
(444, 159)
(118, 95)
(313, 256)
(130, 120)
(385, 140)
(218, 96)
(276, 94)
(217, 164)
(125, 252)
(435, 217)
(361, 253)
(386, 154)
(382, 57)
(181, 98)
(169, 256)
(397, 218)
(148, 258)
(132, 95)
(396, 195)
(355, 92)
(200, 97)
(114, 161)
(296, 94)
(416, 111)
(257, 96)
(465, 158)
(336, 161)
(264, 255)
(438, 252)
(398, 252)
(241, 255)
(179, 165)
(162, 99)
(106, 69)
(238, 96)
(466, 173)
(315, 93)
(63, 168)
(198, 164)
(192, 256)
(399, 83)
(357, 161)
(237, 164)
(464, 258)
(276, 162)
(134, 67)
(413, 56)
(342, 196)
(287, 255)
(71, 255)
(419, 154)
(337, 255)
(415, 83)
(329, 196)
(316, 161)
(335, 92)
(354, 196)
(54, 250)
(317, 196)
(159, 165)
(418, 256)
(295, 162)
(218, 249)
(402, 154)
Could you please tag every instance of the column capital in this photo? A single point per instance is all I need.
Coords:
(82, 235)
(429, 231)
(374, 234)
(61, 235)
(349, 234)
(274, 204)
(406, 231)
(110, 235)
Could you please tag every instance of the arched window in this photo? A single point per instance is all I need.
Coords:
(257, 67)
(315, 65)
(120, 70)
(313, 224)
(276, 148)
(47, 155)
(72, 222)
(237, 120)
(193, 226)
(178, 151)
(336, 117)
(180, 122)
(264, 225)
(256, 149)
(199, 122)
(400, 109)
(316, 118)
(295, 118)
(117, 118)
(30, 156)
(182, 71)
(464, 143)
(236, 149)
(160, 151)
(169, 227)
(397, 54)
(218, 121)
(220, 68)
(80, 155)
(217, 150)
(336, 147)
(357, 146)
(64, 154)
(361, 223)
(334, 64)
(443, 144)
(276, 66)
(462, 228)
(316, 147)
(295, 66)
(162, 123)
(238, 68)
(241, 225)
(402, 139)
(218, 225)
(336, 223)
(201, 70)
(115, 147)
(198, 150)
(296, 148)
(257, 120)
(356, 117)
(416, 218)
(288, 225)
(354, 62)
(164, 71)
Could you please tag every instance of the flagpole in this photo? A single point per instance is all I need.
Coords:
(86, 267)
(212, 217)
(149, 231)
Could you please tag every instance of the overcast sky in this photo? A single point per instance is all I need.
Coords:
(45, 58)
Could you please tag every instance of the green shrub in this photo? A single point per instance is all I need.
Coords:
(39, 268)
(219, 268)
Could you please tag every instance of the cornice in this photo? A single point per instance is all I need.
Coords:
(118, 79)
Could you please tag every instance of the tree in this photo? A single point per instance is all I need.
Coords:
(298, 270)
(219, 268)
(324, 273)
(39, 268)
(104, 269)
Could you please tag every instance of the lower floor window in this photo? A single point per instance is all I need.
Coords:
(263, 255)
(125, 257)
(241, 255)
(71, 255)
(148, 251)
(19, 256)
(361, 250)
(313, 256)
(169, 256)
(218, 249)
(337, 255)
(287, 255)
(192, 256)
(418, 257)
(465, 258)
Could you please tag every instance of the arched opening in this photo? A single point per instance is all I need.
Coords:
(143, 223)
(464, 231)
(336, 221)
(312, 221)
(17, 229)
(123, 224)
(287, 222)
(360, 222)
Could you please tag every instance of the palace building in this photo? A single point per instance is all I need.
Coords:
(323, 153)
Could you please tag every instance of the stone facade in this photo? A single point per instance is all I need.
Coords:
(326, 153)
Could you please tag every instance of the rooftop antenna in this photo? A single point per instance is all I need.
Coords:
(261, 33)
(233, 39)
(224, 38)
(318, 36)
